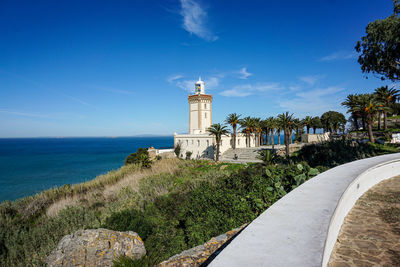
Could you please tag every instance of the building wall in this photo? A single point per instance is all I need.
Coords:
(314, 138)
(202, 145)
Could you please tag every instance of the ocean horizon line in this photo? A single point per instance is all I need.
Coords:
(105, 136)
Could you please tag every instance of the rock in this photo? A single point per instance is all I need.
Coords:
(96, 247)
(197, 255)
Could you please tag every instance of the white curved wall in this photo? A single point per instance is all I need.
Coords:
(301, 228)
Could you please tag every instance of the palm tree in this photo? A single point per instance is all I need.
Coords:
(278, 132)
(270, 122)
(272, 126)
(362, 103)
(307, 121)
(257, 130)
(286, 122)
(233, 120)
(218, 131)
(351, 102)
(297, 124)
(265, 129)
(370, 110)
(386, 97)
(247, 128)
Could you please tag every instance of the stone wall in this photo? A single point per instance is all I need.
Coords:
(197, 255)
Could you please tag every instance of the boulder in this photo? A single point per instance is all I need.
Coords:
(96, 247)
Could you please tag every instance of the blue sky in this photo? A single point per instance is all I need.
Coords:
(122, 68)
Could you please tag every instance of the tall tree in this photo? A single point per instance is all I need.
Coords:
(332, 120)
(257, 130)
(271, 124)
(380, 48)
(362, 103)
(296, 126)
(370, 110)
(316, 123)
(286, 122)
(278, 132)
(265, 129)
(307, 121)
(351, 102)
(385, 97)
(233, 120)
(217, 130)
(247, 127)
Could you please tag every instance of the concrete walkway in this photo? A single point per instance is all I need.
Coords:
(301, 228)
(246, 154)
(370, 233)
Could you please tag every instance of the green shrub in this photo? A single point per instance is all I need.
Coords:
(129, 220)
(337, 152)
(140, 157)
(183, 219)
(177, 149)
(267, 156)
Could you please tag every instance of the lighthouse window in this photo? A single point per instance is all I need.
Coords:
(198, 142)
(205, 115)
(208, 143)
(205, 105)
(192, 142)
(187, 142)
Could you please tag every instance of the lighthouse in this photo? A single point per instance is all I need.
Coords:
(200, 111)
(198, 143)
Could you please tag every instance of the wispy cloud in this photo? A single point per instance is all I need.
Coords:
(173, 78)
(194, 20)
(250, 89)
(78, 100)
(244, 74)
(311, 79)
(313, 102)
(339, 55)
(24, 114)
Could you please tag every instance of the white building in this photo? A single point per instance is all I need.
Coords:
(199, 142)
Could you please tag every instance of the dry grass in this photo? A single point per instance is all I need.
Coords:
(167, 166)
(61, 204)
(106, 187)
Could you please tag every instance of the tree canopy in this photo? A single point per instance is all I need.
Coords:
(380, 48)
(332, 120)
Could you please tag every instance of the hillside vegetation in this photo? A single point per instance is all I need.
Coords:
(173, 205)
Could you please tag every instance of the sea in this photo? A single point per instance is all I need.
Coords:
(31, 165)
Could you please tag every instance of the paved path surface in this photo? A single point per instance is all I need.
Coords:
(370, 234)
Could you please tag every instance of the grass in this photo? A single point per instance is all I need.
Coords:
(26, 224)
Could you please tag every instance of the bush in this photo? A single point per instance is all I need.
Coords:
(337, 152)
(141, 157)
(129, 220)
(183, 219)
(267, 156)
(188, 154)
(177, 149)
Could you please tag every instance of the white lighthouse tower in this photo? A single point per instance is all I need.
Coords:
(200, 112)
(198, 143)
